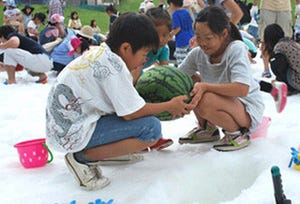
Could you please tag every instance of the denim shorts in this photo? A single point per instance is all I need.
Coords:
(112, 128)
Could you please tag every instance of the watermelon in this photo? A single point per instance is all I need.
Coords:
(161, 84)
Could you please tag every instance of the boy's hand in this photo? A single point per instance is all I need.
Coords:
(179, 107)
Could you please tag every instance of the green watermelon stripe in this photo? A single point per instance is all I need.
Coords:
(162, 83)
(184, 78)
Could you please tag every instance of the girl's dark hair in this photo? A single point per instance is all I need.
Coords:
(136, 29)
(112, 9)
(272, 34)
(217, 21)
(5, 30)
(92, 22)
(84, 45)
(72, 14)
(160, 17)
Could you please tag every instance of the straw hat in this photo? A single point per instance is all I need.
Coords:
(86, 31)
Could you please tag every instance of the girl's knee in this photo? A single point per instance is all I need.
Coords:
(205, 105)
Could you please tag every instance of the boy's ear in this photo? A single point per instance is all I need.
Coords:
(125, 48)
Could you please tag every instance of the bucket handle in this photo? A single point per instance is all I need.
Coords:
(49, 151)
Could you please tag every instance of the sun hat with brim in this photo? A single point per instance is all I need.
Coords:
(87, 32)
(73, 44)
(26, 7)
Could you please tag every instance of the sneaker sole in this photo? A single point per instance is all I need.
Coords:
(283, 91)
(212, 139)
(115, 161)
(70, 167)
(231, 148)
(105, 181)
(162, 146)
(165, 145)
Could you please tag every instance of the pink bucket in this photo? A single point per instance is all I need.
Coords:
(34, 153)
(262, 129)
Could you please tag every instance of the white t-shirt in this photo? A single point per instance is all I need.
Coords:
(33, 26)
(92, 85)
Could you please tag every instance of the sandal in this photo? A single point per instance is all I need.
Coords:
(266, 74)
(42, 81)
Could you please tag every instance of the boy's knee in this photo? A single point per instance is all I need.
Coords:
(151, 131)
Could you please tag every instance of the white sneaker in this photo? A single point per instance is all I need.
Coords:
(279, 93)
(88, 176)
(120, 160)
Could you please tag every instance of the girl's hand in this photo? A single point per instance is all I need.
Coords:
(197, 93)
(179, 107)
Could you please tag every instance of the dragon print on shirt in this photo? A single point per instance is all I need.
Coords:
(65, 108)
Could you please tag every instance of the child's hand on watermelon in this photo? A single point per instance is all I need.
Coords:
(177, 106)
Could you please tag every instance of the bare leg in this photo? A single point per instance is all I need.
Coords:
(11, 73)
(266, 62)
(226, 112)
(115, 149)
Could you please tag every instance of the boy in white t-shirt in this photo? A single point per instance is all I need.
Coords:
(94, 112)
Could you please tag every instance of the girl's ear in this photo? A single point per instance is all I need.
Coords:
(225, 33)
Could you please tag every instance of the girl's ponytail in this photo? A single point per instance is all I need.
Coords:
(234, 32)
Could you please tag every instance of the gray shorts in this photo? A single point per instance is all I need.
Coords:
(38, 63)
(282, 18)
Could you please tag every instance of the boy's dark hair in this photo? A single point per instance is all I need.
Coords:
(178, 3)
(135, 29)
(40, 16)
(5, 30)
(272, 34)
(160, 17)
(217, 21)
(111, 8)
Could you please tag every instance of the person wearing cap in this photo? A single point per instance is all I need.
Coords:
(21, 50)
(13, 16)
(52, 30)
(33, 25)
(27, 14)
(60, 53)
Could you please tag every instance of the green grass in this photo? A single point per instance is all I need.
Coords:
(86, 15)
(102, 19)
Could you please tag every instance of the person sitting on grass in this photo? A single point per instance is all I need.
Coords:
(21, 50)
(33, 25)
(52, 30)
(60, 53)
(94, 113)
